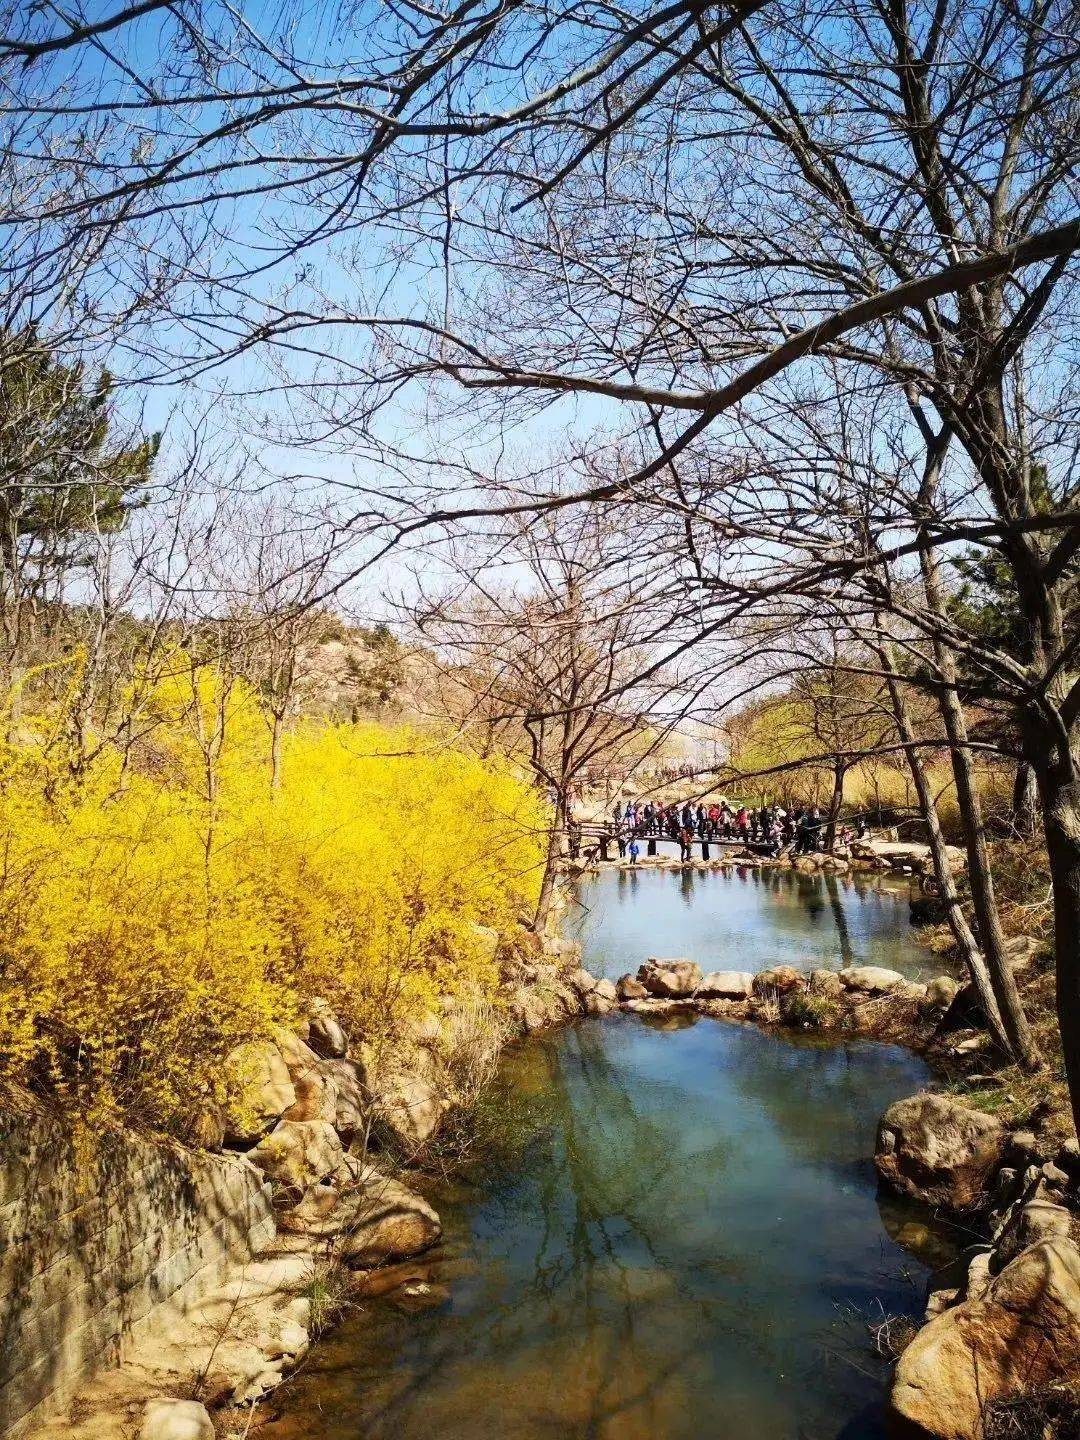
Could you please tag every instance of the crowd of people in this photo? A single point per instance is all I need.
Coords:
(768, 829)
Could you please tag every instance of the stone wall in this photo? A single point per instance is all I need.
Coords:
(102, 1243)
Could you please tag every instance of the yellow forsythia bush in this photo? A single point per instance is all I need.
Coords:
(155, 914)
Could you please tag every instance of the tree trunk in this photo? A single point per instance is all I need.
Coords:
(835, 805)
(980, 878)
(277, 725)
(1059, 788)
(954, 911)
(1025, 800)
(984, 902)
(551, 863)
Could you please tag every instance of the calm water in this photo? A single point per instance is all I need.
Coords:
(747, 919)
(675, 1234)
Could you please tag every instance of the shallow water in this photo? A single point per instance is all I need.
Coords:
(676, 1233)
(744, 918)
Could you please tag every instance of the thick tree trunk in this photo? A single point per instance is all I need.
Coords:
(1060, 791)
(954, 911)
(835, 806)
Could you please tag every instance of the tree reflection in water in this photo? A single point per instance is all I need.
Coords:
(746, 918)
(679, 1238)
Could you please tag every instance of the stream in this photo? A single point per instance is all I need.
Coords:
(675, 1229)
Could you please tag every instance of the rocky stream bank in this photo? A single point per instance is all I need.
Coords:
(340, 1131)
(1000, 1341)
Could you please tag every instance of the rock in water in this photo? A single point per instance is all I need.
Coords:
(670, 979)
(582, 982)
(389, 1221)
(176, 1420)
(1022, 1333)
(630, 989)
(938, 1151)
(871, 979)
(725, 985)
(779, 980)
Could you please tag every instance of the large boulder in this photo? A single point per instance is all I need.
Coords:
(670, 979)
(1022, 1333)
(176, 1420)
(370, 1218)
(725, 985)
(826, 983)
(871, 979)
(316, 1092)
(582, 982)
(941, 992)
(628, 988)
(779, 980)
(298, 1154)
(390, 1221)
(601, 999)
(406, 1093)
(351, 1106)
(936, 1150)
(259, 1091)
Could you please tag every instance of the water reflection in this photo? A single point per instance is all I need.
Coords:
(746, 918)
(684, 1237)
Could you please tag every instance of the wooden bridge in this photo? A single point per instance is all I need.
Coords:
(594, 840)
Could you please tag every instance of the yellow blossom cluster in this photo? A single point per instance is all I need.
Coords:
(167, 901)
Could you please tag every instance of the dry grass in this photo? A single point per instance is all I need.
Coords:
(892, 1334)
(1049, 1414)
(328, 1291)
(1039, 1101)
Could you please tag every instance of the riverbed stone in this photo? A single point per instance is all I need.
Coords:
(582, 982)
(779, 980)
(670, 979)
(725, 985)
(871, 979)
(941, 992)
(825, 983)
(390, 1221)
(176, 1420)
(627, 988)
(938, 1151)
(1021, 1333)
(297, 1154)
(260, 1091)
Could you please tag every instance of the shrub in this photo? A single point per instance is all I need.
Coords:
(158, 908)
(802, 1007)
